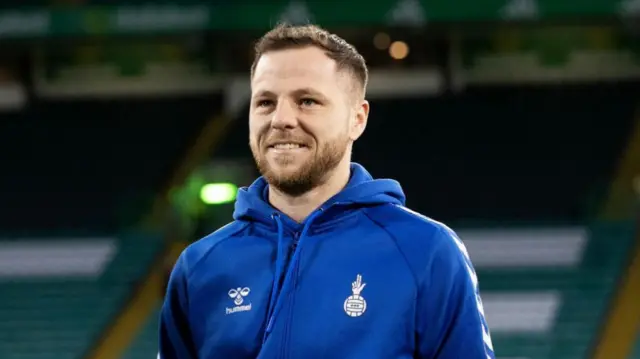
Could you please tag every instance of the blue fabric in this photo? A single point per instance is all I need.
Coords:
(362, 277)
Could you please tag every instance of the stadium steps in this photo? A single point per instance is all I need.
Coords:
(93, 164)
(60, 318)
(621, 200)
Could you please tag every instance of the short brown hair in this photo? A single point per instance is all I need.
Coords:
(286, 36)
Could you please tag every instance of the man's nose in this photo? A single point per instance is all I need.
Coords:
(285, 115)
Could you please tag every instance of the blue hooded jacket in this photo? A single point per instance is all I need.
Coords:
(361, 278)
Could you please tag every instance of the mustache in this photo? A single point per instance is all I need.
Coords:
(278, 136)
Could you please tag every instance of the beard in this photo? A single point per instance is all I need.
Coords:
(310, 174)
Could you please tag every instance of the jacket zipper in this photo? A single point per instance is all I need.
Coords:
(287, 329)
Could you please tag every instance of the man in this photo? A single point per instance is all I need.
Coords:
(321, 261)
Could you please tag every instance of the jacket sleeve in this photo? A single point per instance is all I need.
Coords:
(451, 322)
(175, 332)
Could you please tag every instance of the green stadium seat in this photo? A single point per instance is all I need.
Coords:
(61, 316)
(551, 310)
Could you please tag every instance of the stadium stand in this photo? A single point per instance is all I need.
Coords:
(562, 289)
(511, 163)
(103, 160)
(519, 171)
(58, 304)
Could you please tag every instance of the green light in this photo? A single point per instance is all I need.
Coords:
(218, 193)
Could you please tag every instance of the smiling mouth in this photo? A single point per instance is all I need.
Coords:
(286, 146)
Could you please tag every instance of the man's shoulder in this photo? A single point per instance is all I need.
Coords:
(200, 249)
(417, 236)
(406, 222)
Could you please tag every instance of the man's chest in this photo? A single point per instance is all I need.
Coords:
(344, 297)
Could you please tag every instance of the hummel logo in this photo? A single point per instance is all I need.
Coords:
(238, 296)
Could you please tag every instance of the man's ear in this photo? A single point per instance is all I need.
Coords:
(359, 120)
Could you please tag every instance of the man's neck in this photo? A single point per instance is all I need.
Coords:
(300, 207)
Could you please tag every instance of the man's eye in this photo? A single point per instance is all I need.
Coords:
(308, 102)
(264, 103)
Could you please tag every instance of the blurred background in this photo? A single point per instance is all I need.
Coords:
(123, 137)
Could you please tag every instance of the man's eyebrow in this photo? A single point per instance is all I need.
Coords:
(305, 91)
(309, 92)
(264, 93)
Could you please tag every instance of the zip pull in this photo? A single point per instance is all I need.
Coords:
(269, 328)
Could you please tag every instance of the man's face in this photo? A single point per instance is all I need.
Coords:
(303, 118)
